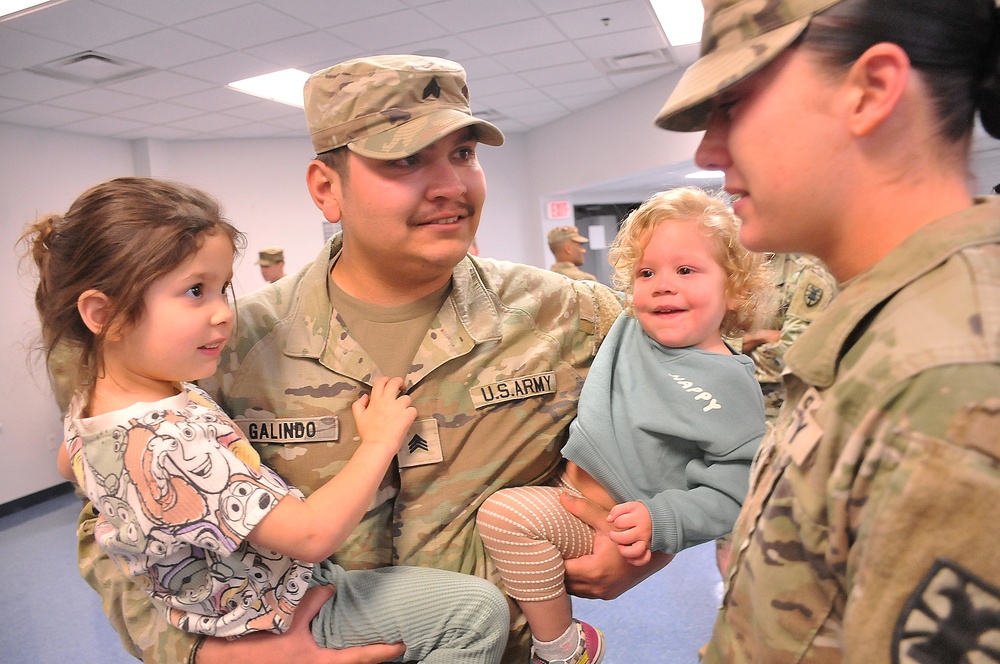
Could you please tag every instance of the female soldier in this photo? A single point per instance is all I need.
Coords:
(844, 128)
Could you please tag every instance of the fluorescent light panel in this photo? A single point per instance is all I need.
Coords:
(705, 175)
(681, 20)
(284, 86)
(10, 7)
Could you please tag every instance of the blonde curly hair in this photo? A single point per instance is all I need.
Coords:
(748, 277)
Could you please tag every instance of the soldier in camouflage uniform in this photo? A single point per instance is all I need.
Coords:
(494, 356)
(566, 244)
(844, 129)
(804, 288)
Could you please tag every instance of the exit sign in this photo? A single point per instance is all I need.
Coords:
(559, 209)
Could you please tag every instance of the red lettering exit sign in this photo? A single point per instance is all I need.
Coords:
(559, 209)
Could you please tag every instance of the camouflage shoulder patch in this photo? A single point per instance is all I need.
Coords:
(953, 616)
(811, 296)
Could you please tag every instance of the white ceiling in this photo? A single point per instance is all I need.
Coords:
(530, 61)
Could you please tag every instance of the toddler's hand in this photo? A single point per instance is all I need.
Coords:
(632, 531)
(384, 417)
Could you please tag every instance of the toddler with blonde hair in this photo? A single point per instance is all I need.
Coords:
(670, 417)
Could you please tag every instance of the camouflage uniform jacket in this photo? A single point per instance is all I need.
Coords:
(570, 270)
(870, 532)
(495, 384)
(804, 288)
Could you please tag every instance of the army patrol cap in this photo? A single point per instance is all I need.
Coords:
(390, 106)
(560, 233)
(738, 38)
(270, 255)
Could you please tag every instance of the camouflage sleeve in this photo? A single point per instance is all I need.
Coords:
(814, 289)
(922, 507)
(600, 307)
(144, 632)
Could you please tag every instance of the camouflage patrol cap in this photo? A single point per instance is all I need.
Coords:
(560, 233)
(390, 106)
(738, 38)
(270, 255)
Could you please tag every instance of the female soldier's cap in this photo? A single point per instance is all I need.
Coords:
(738, 38)
(390, 106)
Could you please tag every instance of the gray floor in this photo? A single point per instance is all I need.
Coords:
(49, 614)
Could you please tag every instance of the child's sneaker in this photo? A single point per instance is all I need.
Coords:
(590, 650)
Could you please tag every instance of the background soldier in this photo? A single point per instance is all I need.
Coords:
(803, 288)
(566, 245)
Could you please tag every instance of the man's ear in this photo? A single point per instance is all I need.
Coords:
(877, 81)
(325, 188)
(94, 307)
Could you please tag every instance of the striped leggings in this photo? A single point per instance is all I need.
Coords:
(528, 534)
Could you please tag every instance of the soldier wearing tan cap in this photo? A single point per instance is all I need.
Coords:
(272, 263)
(566, 244)
(493, 355)
(844, 129)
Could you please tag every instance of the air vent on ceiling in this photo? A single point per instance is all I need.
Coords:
(633, 62)
(91, 68)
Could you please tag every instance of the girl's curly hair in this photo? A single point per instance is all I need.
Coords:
(748, 278)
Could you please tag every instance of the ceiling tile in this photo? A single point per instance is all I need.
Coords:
(448, 46)
(173, 12)
(98, 100)
(577, 102)
(556, 6)
(514, 36)
(605, 19)
(160, 85)
(465, 15)
(564, 73)
(164, 48)
(41, 115)
(482, 67)
(302, 51)
(541, 56)
(224, 69)
(103, 126)
(216, 99)
(208, 123)
(7, 104)
(35, 87)
(267, 110)
(82, 23)
(583, 87)
(20, 49)
(628, 81)
(389, 30)
(325, 14)
(246, 26)
(158, 132)
(622, 43)
(157, 113)
(495, 85)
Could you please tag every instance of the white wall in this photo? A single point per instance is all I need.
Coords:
(261, 185)
(612, 139)
(40, 172)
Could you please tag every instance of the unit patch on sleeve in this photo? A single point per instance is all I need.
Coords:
(953, 616)
(512, 389)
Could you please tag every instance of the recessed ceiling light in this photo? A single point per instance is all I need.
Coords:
(284, 86)
(8, 8)
(681, 20)
(705, 175)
